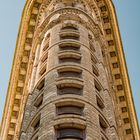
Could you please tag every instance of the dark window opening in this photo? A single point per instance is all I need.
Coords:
(39, 101)
(93, 59)
(69, 27)
(46, 43)
(69, 90)
(46, 47)
(100, 103)
(36, 123)
(70, 48)
(95, 70)
(69, 109)
(36, 138)
(97, 86)
(41, 85)
(92, 47)
(44, 58)
(70, 36)
(72, 133)
(103, 138)
(70, 74)
(42, 71)
(103, 124)
(69, 59)
(98, 0)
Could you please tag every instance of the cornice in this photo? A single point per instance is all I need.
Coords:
(24, 44)
(123, 68)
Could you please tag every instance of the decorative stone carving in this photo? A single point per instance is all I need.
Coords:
(88, 16)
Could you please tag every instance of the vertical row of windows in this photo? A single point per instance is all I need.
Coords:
(69, 133)
(44, 57)
(36, 123)
(68, 32)
(98, 88)
(40, 86)
(93, 58)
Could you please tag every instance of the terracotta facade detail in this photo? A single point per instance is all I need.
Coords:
(69, 79)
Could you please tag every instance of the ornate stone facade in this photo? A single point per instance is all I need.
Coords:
(69, 79)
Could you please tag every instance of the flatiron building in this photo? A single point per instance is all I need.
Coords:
(69, 79)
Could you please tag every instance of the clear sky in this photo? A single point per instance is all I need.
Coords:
(128, 12)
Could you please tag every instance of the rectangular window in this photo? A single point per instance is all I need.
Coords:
(36, 126)
(97, 86)
(69, 90)
(43, 70)
(46, 44)
(93, 59)
(70, 48)
(39, 101)
(70, 133)
(36, 138)
(102, 123)
(36, 123)
(70, 59)
(70, 36)
(69, 109)
(100, 103)
(91, 46)
(70, 74)
(95, 70)
(41, 85)
(44, 58)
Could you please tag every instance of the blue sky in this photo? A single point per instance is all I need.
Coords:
(129, 22)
